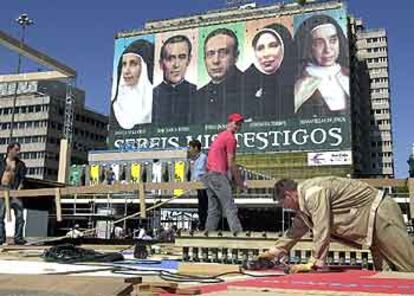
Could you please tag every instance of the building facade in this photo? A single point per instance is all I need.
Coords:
(372, 102)
(39, 121)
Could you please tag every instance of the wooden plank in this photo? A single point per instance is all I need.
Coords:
(113, 156)
(386, 182)
(67, 285)
(141, 195)
(64, 161)
(36, 56)
(186, 186)
(188, 291)
(254, 242)
(7, 205)
(411, 194)
(58, 205)
(32, 76)
(206, 269)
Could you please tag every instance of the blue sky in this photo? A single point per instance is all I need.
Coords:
(81, 34)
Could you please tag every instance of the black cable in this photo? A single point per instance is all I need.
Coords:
(139, 261)
(70, 254)
(187, 278)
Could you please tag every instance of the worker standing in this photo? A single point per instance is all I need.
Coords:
(221, 167)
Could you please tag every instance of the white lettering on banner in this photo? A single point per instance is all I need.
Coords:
(304, 137)
(249, 140)
(295, 139)
(174, 142)
(314, 135)
(262, 137)
(336, 134)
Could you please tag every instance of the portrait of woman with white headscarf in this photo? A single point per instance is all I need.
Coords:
(133, 96)
(269, 79)
(322, 87)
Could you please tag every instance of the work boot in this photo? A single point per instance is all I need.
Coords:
(20, 242)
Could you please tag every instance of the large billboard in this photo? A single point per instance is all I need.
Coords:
(288, 75)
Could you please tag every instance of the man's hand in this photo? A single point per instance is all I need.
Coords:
(266, 256)
(273, 254)
(313, 264)
(302, 267)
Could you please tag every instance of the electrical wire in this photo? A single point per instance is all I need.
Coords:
(187, 278)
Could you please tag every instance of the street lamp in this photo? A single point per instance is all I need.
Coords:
(24, 21)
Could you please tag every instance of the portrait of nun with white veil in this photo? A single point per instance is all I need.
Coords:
(132, 96)
(322, 88)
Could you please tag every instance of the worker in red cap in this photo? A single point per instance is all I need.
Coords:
(221, 168)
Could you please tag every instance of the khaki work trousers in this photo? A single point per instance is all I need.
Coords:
(392, 247)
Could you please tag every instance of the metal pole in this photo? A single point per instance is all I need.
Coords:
(23, 20)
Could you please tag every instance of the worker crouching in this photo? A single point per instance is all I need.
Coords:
(346, 210)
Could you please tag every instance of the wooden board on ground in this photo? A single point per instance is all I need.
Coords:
(63, 285)
(246, 291)
(394, 275)
(207, 269)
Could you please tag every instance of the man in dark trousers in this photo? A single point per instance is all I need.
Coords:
(224, 93)
(220, 163)
(198, 169)
(172, 96)
(12, 174)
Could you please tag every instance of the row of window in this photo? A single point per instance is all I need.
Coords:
(378, 71)
(40, 171)
(91, 136)
(379, 80)
(90, 121)
(35, 171)
(380, 101)
(39, 155)
(382, 154)
(381, 144)
(384, 122)
(24, 140)
(379, 91)
(382, 165)
(378, 60)
(376, 39)
(24, 109)
(80, 118)
(32, 155)
(382, 111)
(79, 132)
(377, 49)
(24, 124)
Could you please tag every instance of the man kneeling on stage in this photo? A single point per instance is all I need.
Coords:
(346, 210)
